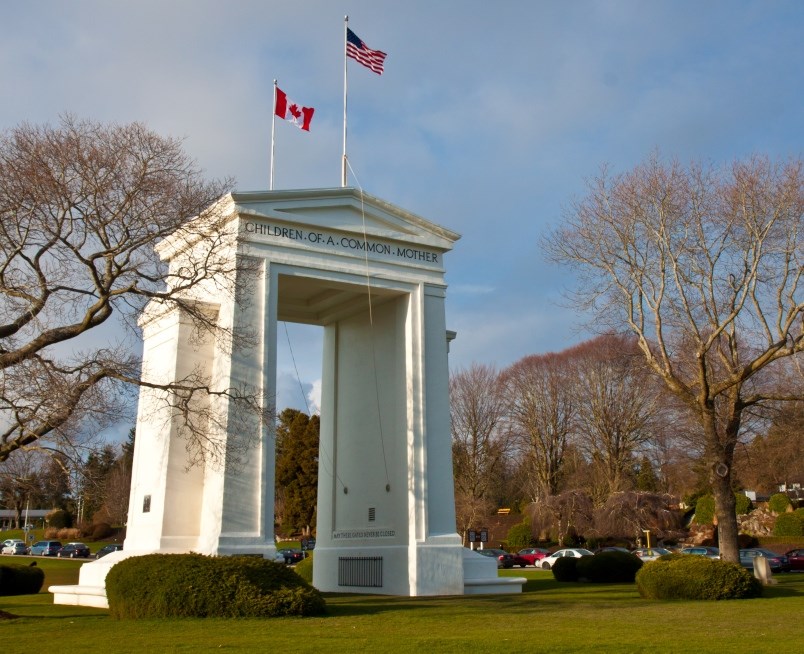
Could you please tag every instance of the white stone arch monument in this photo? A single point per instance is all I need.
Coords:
(372, 276)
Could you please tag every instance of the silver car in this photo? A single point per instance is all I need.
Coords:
(708, 552)
(15, 547)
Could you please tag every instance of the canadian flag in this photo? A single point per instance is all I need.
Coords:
(292, 111)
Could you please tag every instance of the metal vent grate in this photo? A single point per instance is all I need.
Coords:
(372, 514)
(361, 571)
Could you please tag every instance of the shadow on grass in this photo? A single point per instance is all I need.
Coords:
(783, 588)
(344, 604)
(541, 594)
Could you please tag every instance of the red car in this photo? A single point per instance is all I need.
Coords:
(533, 555)
(795, 559)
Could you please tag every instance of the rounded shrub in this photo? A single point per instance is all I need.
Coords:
(695, 577)
(705, 510)
(609, 567)
(789, 524)
(779, 503)
(566, 569)
(100, 531)
(20, 579)
(304, 568)
(193, 585)
(743, 504)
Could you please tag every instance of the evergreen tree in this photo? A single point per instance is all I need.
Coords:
(646, 477)
(297, 470)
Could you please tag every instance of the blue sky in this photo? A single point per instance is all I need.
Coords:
(488, 119)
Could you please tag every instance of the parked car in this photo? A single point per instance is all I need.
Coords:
(613, 548)
(17, 547)
(533, 554)
(575, 552)
(73, 550)
(708, 552)
(651, 553)
(45, 548)
(795, 559)
(520, 560)
(504, 559)
(777, 562)
(108, 549)
(10, 544)
(290, 556)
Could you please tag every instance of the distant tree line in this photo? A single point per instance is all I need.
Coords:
(91, 489)
(581, 432)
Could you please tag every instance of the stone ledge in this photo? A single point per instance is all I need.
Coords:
(497, 586)
(80, 596)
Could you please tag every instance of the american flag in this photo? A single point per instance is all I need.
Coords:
(356, 49)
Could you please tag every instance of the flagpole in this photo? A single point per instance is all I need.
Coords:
(343, 161)
(273, 134)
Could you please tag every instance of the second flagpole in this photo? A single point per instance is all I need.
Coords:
(273, 134)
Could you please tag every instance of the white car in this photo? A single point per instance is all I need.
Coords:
(11, 546)
(572, 552)
(651, 553)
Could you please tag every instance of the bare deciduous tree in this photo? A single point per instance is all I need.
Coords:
(704, 266)
(618, 409)
(21, 483)
(541, 405)
(629, 514)
(82, 207)
(775, 459)
(567, 514)
(479, 441)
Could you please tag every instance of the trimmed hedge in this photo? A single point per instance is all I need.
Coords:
(193, 585)
(20, 579)
(789, 524)
(779, 503)
(304, 568)
(566, 569)
(705, 507)
(705, 510)
(609, 567)
(695, 577)
(743, 504)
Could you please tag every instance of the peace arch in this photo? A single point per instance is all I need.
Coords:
(372, 276)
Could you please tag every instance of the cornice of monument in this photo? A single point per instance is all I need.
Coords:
(294, 205)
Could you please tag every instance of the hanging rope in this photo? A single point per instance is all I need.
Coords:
(326, 460)
(298, 377)
(371, 326)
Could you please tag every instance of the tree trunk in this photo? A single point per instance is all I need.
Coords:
(725, 510)
(720, 457)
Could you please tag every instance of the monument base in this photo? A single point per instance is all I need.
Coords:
(91, 587)
(480, 576)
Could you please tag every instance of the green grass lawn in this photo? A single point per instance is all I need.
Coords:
(546, 617)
